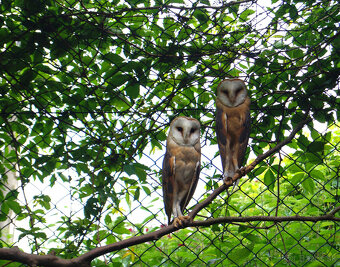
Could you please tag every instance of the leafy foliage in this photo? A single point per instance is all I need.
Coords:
(87, 92)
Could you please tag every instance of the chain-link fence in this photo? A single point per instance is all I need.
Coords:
(88, 90)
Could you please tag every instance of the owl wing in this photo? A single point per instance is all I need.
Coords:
(168, 180)
(244, 137)
(221, 132)
(193, 185)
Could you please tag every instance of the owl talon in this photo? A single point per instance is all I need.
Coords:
(178, 221)
(228, 181)
(241, 171)
(235, 185)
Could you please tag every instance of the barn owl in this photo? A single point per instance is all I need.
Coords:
(181, 167)
(232, 125)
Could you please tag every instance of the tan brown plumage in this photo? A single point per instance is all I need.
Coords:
(232, 124)
(181, 167)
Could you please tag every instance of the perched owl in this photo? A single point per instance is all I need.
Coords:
(181, 167)
(232, 125)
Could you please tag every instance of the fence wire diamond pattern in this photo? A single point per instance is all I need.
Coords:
(88, 90)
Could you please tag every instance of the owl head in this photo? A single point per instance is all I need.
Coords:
(185, 131)
(231, 92)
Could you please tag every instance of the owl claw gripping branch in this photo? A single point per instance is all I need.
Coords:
(178, 221)
(181, 167)
(232, 126)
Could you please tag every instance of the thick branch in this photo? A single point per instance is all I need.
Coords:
(84, 261)
(169, 229)
(15, 254)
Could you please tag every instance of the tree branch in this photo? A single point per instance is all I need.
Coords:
(169, 229)
(160, 8)
(275, 219)
(15, 254)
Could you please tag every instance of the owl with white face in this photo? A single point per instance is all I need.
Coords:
(181, 167)
(232, 125)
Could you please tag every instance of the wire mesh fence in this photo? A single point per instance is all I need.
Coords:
(88, 90)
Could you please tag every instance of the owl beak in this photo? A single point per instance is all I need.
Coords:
(232, 98)
(186, 137)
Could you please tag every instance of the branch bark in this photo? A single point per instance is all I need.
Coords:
(16, 255)
(169, 229)
(275, 219)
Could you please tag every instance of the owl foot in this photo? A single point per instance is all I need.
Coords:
(228, 181)
(178, 221)
(241, 171)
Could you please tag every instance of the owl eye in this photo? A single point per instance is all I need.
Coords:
(180, 129)
(238, 91)
(192, 130)
(226, 93)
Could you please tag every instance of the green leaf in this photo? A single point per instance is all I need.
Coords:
(108, 219)
(308, 185)
(92, 207)
(269, 179)
(113, 58)
(244, 16)
(132, 90)
(240, 255)
(117, 80)
(136, 194)
(4, 35)
(137, 169)
(313, 158)
(293, 12)
(318, 175)
(146, 190)
(201, 16)
(253, 238)
(303, 142)
(129, 169)
(295, 53)
(147, 219)
(298, 177)
(13, 205)
(141, 174)
(120, 230)
(316, 146)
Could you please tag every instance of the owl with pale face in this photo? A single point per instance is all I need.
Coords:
(181, 167)
(232, 125)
